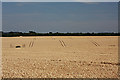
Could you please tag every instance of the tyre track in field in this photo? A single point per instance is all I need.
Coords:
(62, 43)
(95, 43)
(31, 44)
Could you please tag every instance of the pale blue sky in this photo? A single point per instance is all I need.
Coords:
(60, 16)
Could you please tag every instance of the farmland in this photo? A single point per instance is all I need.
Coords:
(60, 57)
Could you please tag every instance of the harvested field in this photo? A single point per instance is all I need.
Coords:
(60, 57)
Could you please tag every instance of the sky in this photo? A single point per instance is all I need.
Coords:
(60, 16)
(0, 16)
(60, 0)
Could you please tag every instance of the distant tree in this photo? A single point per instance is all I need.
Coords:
(11, 32)
(32, 32)
(50, 33)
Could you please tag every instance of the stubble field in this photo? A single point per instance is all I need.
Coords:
(60, 57)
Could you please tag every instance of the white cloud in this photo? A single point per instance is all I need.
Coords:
(90, 2)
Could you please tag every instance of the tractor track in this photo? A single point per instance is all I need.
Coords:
(32, 43)
(62, 43)
(95, 43)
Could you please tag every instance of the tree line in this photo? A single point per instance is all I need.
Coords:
(32, 33)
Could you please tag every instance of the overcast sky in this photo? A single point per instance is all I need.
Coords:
(0, 16)
(60, 16)
(60, 0)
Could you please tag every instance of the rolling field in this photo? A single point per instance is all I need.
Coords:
(60, 57)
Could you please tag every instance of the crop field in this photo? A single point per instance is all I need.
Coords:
(60, 57)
